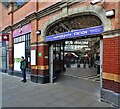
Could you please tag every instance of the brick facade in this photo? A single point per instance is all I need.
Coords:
(42, 14)
(111, 55)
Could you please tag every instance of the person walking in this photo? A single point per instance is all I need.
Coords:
(23, 69)
(98, 63)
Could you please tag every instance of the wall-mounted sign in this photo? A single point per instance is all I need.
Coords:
(39, 54)
(5, 37)
(33, 57)
(46, 57)
(76, 33)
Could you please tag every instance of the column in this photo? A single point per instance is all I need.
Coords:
(111, 68)
(42, 58)
(11, 54)
(11, 42)
(34, 49)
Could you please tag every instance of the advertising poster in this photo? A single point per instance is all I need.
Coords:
(19, 50)
(33, 57)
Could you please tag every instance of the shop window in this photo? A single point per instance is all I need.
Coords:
(0, 62)
(19, 39)
(23, 37)
(26, 40)
(0, 44)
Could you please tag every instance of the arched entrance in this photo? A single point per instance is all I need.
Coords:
(77, 19)
(70, 51)
(73, 23)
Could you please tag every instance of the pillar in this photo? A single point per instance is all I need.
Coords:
(39, 71)
(111, 68)
(42, 58)
(34, 48)
(11, 42)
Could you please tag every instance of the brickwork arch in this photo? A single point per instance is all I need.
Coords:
(91, 10)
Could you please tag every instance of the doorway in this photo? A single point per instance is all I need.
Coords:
(77, 63)
(72, 55)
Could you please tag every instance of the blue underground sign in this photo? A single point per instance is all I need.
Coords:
(75, 33)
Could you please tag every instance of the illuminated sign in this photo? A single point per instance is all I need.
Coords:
(76, 33)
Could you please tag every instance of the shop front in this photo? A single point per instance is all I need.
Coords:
(22, 37)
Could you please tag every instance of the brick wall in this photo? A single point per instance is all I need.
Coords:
(42, 21)
(24, 11)
(114, 5)
(111, 63)
(5, 18)
(29, 8)
(46, 3)
(0, 16)
(119, 55)
(110, 55)
(33, 32)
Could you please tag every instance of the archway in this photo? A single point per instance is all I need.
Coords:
(78, 18)
(89, 10)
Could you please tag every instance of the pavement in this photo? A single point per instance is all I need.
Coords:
(29, 94)
(85, 79)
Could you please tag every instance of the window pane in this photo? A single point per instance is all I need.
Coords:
(0, 44)
(6, 42)
(19, 38)
(23, 37)
(14, 40)
(0, 62)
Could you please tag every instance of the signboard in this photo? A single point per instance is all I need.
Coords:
(19, 50)
(76, 33)
(33, 57)
(39, 54)
(5, 37)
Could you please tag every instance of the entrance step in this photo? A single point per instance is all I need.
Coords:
(95, 78)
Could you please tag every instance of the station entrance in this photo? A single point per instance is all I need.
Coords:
(76, 62)
(75, 51)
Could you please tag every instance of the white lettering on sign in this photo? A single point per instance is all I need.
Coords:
(83, 32)
(80, 32)
(5, 37)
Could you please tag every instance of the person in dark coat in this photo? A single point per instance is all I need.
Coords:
(23, 69)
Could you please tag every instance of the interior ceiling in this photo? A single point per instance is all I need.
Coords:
(73, 23)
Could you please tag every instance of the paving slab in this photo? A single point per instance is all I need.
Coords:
(29, 94)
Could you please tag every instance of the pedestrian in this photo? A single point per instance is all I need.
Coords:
(98, 63)
(23, 69)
